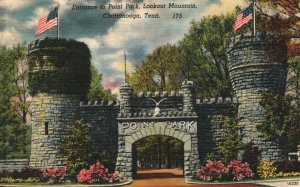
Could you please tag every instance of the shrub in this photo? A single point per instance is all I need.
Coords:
(239, 170)
(287, 166)
(252, 156)
(77, 149)
(232, 143)
(23, 174)
(55, 175)
(291, 174)
(266, 169)
(216, 171)
(18, 180)
(97, 174)
(212, 171)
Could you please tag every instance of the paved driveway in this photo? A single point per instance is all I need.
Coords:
(170, 178)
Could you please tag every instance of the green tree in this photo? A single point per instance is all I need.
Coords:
(159, 150)
(200, 56)
(159, 71)
(282, 123)
(205, 54)
(14, 136)
(96, 91)
(77, 150)
(232, 143)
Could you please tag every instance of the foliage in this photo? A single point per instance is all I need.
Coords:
(55, 175)
(97, 174)
(159, 71)
(63, 67)
(213, 171)
(23, 174)
(287, 166)
(158, 151)
(217, 171)
(290, 174)
(75, 147)
(201, 56)
(282, 123)
(12, 180)
(14, 136)
(266, 169)
(205, 55)
(278, 16)
(232, 143)
(96, 91)
(239, 170)
(77, 150)
(252, 155)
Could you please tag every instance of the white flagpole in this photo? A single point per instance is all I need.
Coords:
(57, 21)
(254, 30)
(125, 66)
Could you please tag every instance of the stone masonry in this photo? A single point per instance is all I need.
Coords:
(255, 67)
(180, 124)
(116, 125)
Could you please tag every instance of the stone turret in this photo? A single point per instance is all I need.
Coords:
(257, 63)
(126, 94)
(189, 96)
(59, 78)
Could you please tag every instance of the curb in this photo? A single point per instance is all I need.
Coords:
(245, 182)
(67, 185)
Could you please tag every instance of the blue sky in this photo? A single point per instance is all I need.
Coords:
(107, 38)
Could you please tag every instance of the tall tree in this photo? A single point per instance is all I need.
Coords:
(14, 136)
(96, 91)
(159, 71)
(205, 54)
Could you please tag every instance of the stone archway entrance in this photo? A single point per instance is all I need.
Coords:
(157, 152)
(134, 129)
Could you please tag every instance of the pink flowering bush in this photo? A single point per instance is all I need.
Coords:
(217, 171)
(97, 174)
(212, 171)
(239, 170)
(55, 175)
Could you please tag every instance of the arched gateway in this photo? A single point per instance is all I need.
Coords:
(157, 114)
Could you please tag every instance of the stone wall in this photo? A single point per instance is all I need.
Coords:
(210, 113)
(59, 78)
(257, 63)
(51, 114)
(102, 117)
(13, 164)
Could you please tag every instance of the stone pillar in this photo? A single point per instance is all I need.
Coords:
(257, 64)
(59, 78)
(189, 96)
(126, 93)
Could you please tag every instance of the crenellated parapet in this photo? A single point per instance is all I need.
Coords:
(104, 103)
(218, 100)
(158, 104)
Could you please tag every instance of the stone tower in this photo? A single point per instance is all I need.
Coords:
(59, 78)
(257, 63)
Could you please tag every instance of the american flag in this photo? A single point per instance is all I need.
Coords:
(47, 22)
(244, 17)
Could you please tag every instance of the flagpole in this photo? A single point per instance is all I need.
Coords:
(125, 65)
(254, 29)
(57, 21)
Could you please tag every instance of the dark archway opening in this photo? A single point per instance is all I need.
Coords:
(158, 157)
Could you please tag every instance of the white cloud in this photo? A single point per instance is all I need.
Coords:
(10, 38)
(38, 13)
(223, 7)
(16, 4)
